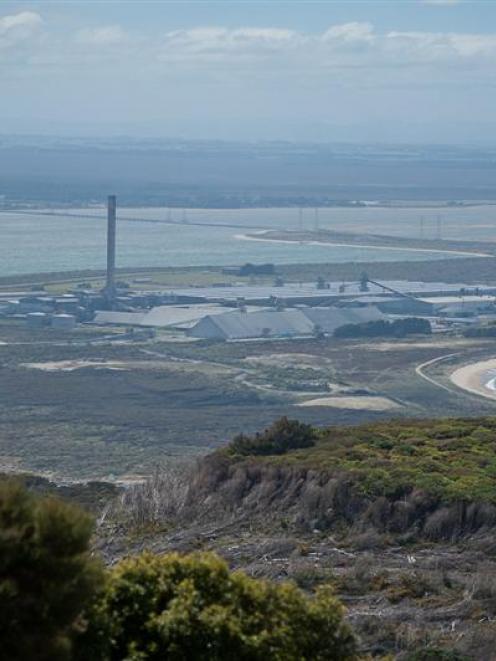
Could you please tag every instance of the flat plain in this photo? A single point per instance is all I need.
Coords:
(90, 406)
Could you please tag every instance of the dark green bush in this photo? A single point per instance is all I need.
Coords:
(280, 437)
(435, 654)
(193, 607)
(383, 328)
(46, 574)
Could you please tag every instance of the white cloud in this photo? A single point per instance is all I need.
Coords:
(348, 44)
(108, 35)
(217, 43)
(18, 28)
(354, 52)
(350, 33)
(434, 47)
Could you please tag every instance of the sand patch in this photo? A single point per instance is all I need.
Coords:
(365, 403)
(477, 378)
(265, 235)
(405, 346)
(120, 366)
(290, 360)
(72, 365)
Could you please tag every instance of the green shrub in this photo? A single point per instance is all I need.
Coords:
(451, 460)
(46, 574)
(383, 328)
(436, 654)
(193, 607)
(280, 437)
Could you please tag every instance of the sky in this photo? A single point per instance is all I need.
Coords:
(395, 71)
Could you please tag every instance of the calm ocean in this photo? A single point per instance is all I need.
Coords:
(38, 243)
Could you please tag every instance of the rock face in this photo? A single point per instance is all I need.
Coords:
(308, 499)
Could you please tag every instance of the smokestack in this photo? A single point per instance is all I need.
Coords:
(111, 224)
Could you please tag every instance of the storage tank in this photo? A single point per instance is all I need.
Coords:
(36, 319)
(65, 322)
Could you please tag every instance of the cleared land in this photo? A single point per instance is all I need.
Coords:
(90, 406)
(355, 403)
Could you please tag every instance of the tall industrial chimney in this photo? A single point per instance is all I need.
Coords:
(111, 225)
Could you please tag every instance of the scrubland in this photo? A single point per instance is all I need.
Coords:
(398, 518)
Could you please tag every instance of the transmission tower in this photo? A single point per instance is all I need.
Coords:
(438, 227)
(316, 221)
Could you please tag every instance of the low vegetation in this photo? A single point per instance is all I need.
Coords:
(281, 437)
(193, 607)
(488, 330)
(47, 575)
(433, 480)
(57, 603)
(453, 459)
(382, 328)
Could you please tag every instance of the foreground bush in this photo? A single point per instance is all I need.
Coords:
(46, 574)
(193, 607)
(280, 437)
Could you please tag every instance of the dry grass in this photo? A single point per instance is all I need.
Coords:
(159, 500)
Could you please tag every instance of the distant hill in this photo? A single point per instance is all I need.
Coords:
(221, 174)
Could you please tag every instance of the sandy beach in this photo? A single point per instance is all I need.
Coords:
(477, 378)
(261, 236)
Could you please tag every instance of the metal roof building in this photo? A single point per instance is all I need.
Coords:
(112, 317)
(162, 316)
(328, 319)
(174, 316)
(301, 322)
(245, 325)
(308, 291)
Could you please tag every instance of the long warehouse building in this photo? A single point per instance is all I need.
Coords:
(301, 322)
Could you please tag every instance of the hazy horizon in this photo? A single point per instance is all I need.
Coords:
(408, 72)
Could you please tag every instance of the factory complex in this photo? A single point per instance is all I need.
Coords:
(246, 310)
(242, 311)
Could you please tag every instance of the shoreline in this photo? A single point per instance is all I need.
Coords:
(470, 378)
(461, 253)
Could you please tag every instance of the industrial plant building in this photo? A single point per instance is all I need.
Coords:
(245, 310)
(301, 322)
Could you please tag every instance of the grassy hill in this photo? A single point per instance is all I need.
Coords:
(430, 479)
(452, 459)
(398, 517)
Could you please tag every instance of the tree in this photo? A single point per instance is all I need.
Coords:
(193, 607)
(283, 435)
(46, 574)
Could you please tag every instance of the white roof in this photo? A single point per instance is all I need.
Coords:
(270, 323)
(331, 318)
(445, 300)
(179, 315)
(309, 290)
(162, 316)
(113, 317)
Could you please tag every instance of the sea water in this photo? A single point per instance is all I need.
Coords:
(38, 243)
